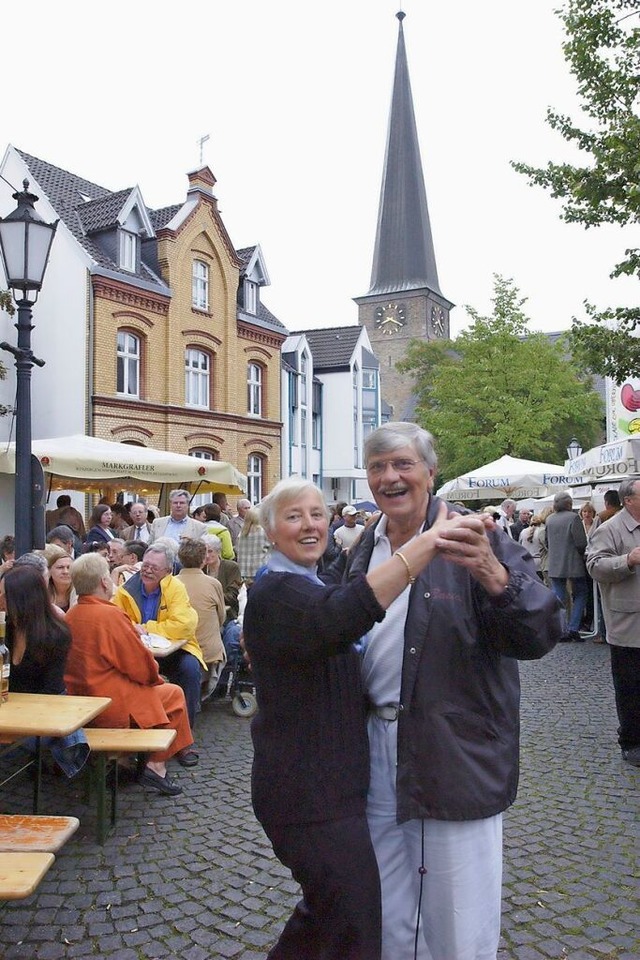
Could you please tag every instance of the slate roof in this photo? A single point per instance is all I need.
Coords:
(245, 254)
(86, 207)
(404, 256)
(160, 218)
(332, 347)
(68, 195)
(263, 318)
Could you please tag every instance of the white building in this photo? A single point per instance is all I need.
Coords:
(330, 402)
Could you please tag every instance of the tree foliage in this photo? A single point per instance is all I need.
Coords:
(603, 52)
(498, 389)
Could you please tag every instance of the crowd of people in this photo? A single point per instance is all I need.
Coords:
(83, 614)
(384, 648)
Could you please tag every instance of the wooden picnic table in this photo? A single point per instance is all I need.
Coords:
(43, 715)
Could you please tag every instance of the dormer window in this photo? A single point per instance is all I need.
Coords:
(250, 296)
(128, 251)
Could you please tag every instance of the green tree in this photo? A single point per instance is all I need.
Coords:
(603, 52)
(498, 389)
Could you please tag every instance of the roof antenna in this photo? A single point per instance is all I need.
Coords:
(202, 142)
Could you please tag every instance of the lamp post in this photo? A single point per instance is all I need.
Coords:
(25, 244)
(573, 449)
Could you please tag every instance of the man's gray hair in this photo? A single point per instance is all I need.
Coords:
(167, 551)
(625, 489)
(562, 501)
(210, 540)
(508, 503)
(284, 492)
(33, 560)
(394, 435)
(178, 493)
(61, 532)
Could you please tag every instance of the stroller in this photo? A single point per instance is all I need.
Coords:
(236, 684)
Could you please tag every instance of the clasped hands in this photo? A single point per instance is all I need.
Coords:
(462, 539)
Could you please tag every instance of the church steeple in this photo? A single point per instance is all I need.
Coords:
(404, 301)
(404, 257)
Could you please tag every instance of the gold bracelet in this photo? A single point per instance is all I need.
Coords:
(402, 557)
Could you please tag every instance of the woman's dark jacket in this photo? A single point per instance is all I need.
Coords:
(98, 534)
(311, 754)
(458, 725)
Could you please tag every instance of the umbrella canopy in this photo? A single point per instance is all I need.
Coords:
(509, 477)
(367, 505)
(91, 465)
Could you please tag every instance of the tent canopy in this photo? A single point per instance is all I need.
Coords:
(611, 461)
(509, 477)
(92, 465)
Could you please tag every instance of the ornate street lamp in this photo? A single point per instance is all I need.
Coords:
(573, 449)
(25, 243)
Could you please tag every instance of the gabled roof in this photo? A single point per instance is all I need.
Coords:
(404, 256)
(102, 213)
(332, 348)
(254, 266)
(74, 199)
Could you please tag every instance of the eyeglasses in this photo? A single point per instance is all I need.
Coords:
(378, 467)
(147, 568)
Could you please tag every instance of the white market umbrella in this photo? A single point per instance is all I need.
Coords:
(509, 477)
(89, 464)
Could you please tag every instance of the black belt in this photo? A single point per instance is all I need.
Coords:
(388, 711)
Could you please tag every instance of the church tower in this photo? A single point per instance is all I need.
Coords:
(404, 301)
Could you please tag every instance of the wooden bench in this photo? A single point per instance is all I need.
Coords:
(21, 834)
(107, 747)
(20, 873)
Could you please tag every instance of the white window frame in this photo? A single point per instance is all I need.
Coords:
(128, 251)
(197, 378)
(200, 285)
(250, 296)
(128, 364)
(254, 389)
(255, 472)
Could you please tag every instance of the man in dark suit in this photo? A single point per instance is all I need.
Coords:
(140, 529)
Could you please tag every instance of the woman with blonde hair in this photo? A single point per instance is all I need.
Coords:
(252, 546)
(60, 586)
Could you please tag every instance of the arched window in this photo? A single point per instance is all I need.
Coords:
(200, 285)
(254, 389)
(197, 386)
(255, 464)
(128, 357)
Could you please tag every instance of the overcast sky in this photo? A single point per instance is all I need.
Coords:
(295, 99)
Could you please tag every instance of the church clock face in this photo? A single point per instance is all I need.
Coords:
(390, 317)
(438, 321)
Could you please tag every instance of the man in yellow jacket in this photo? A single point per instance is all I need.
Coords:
(156, 602)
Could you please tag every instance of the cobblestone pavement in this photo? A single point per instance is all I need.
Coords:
(194, 878)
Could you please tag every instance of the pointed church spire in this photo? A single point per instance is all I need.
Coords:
(404, 258)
